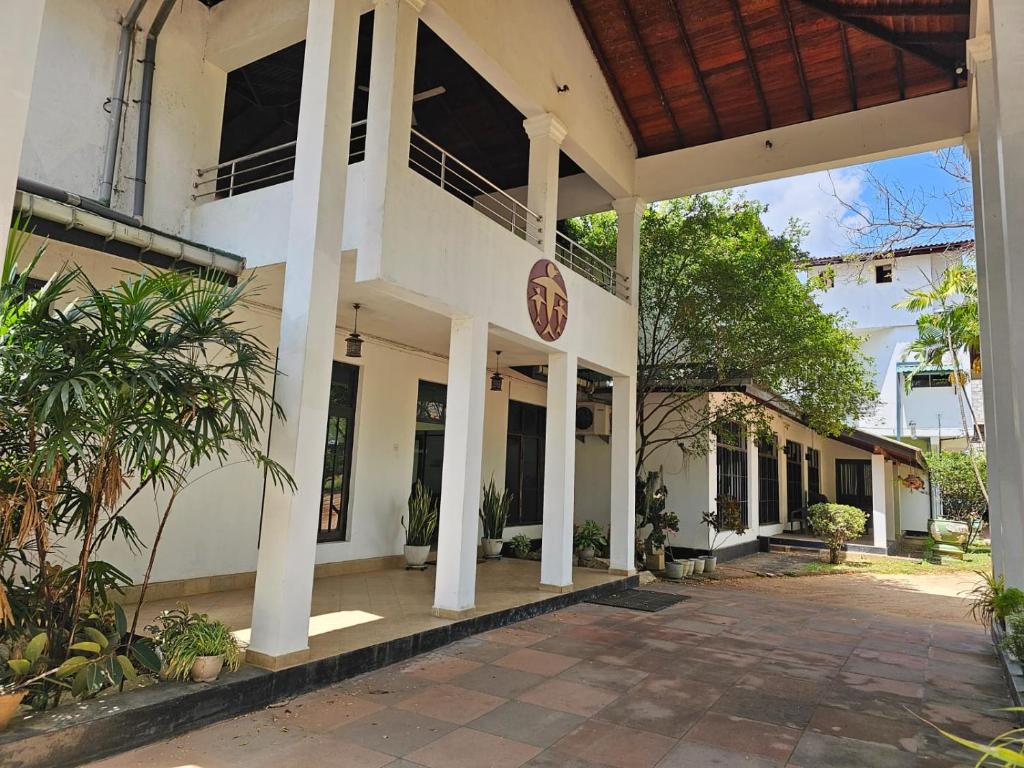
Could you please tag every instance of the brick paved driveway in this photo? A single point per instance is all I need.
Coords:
(723, 679)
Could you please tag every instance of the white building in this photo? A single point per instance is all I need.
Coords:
(866, 290)
(415, 161)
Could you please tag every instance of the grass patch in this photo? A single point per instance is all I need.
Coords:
(978, 558)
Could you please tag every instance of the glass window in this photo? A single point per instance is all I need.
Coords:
(813, 476)
(883, 273)
(524, 462)
(768, 481)
(732, 465)
(929, 380)
(341, 415)
(794, 476)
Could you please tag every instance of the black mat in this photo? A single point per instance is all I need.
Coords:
(639, 600)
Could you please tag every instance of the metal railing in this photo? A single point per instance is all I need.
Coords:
(264, 168)
(434, 163)
(591, 266)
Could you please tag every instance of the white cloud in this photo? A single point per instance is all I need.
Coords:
(810, 199)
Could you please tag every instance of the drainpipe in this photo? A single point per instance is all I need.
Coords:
(117, 101)
(145, 107)
(899, 405)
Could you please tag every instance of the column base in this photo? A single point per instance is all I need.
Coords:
(453, 615)
(275, 663)
(558, 589)
(622, 572)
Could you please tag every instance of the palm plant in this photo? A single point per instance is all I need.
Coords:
(494, 509)
(422, 517)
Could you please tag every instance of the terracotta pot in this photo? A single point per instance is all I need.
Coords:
(675, 570)
(9, 703)
(655, 560)
(710, 563)
(416, 556)
(206, 669)
(698, 565)
(492, 548)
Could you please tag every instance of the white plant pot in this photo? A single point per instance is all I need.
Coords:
(416, 556)
(675, 569)
(206, 669)
(587, 553)
(492, 548)
(698, 566)
(687, 567)
(710, 563)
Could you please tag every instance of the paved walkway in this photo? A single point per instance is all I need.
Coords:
(730, 677)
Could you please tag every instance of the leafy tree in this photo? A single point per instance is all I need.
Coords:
(721, 303)
(961, 479)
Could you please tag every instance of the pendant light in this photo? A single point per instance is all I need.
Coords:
(496, 379)
(354, 342)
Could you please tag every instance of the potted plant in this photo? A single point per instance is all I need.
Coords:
(836, 524)
(494, 507)
(195, 646)
(521, 546)
(587, 539)
(723, 523)
(422, 524)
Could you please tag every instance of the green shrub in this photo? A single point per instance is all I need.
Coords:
(836, 524)
(1007, 603)
(521, 545)
(186, 636)
(589, 536)
(494, 509)
(1014, 640)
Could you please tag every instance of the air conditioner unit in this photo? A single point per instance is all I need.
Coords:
(594, 419)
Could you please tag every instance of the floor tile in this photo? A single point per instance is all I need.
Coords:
(394, 731)
(689, 755)
(816, 750)
(611, 676)
(498, 681)
(536, 662)
(614, 745)
(439, 668)
(567, 696)
(466, 748)
(451, 703)
(857, 725)
(769, 740)
(527, 723)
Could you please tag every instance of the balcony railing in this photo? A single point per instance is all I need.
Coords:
(591, 266)
(455, 177)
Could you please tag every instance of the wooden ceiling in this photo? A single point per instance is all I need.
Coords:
(689, 72)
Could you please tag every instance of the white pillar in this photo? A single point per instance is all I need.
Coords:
(782, 471)
(19, 40)
(1002, 184)
(622, 542)
(455, 583)
(546, 134)
(388, 117)
(879, 497)
(559, 473)
(753, 486)
(630, 211)
(284, 571)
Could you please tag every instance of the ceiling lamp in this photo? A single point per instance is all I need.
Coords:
(354, 342)
(496, 379)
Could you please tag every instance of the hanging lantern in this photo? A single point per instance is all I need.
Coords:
(496, 379)
(354, 342)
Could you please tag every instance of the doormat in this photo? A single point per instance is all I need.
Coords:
(640, 600)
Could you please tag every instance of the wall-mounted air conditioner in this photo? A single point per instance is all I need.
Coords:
(594, 419)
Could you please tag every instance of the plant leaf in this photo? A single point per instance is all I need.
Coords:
(35, 647)
(71, 666)
(98, 637)
(120, 620)
(20, 666)
(145, 654)
(127, 668)
(86, 647)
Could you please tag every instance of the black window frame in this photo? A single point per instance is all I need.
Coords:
(794, 476)
(768, 482)
(338, 453)
(813, 474)
(883, 273)
(731, 469)
(930, 380)
(525, 438)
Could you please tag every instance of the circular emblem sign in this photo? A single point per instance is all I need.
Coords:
(547, 300)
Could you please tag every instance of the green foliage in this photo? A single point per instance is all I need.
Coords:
(494, 508)
(590, 535)
(955, 475)
(725, 522)
(651, 510)
(1006, 749)
(987, 597)
(422, 517)
(1013, 641)
(720, 300)
(1009, 602)
(836, 524)
(521, 545)
(184, 636)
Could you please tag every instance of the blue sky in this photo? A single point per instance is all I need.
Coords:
(809, 198)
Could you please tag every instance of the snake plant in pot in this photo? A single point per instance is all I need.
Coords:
(419, 533)
(494, 508)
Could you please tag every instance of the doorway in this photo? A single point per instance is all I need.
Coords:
(524, 462)
(428, 456)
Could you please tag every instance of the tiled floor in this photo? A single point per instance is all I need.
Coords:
(360, 609)
(727, 678)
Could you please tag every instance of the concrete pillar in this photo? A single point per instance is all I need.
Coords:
(880, 492)
(458, 528)
(623, 479)
(630, 211)
(783, 474)
(546, 134)
(753, 486)
(19, 40)
(388, 117)
(559, 473)
(284, 571)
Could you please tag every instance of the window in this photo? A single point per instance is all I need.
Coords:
(794, 476)
(428, 453)
(732, 465)
(341, 417)
(828, 278)
(883, 273)
(813, 476)
(853, 483)
(524, 462)
(768, 482)
(930, 380)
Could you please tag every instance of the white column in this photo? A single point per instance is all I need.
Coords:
(388, 116)
(546, 134)
(630, 211)
(783, 474)
(753, 487)
(559, 473)
(19, 40)
(455, 583)
(1003, 234)
(879, 497)
(284, 571)
(622, 543)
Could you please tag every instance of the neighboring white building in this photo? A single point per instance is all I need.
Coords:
(866, 290)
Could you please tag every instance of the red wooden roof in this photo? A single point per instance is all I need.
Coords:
(689, 72)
